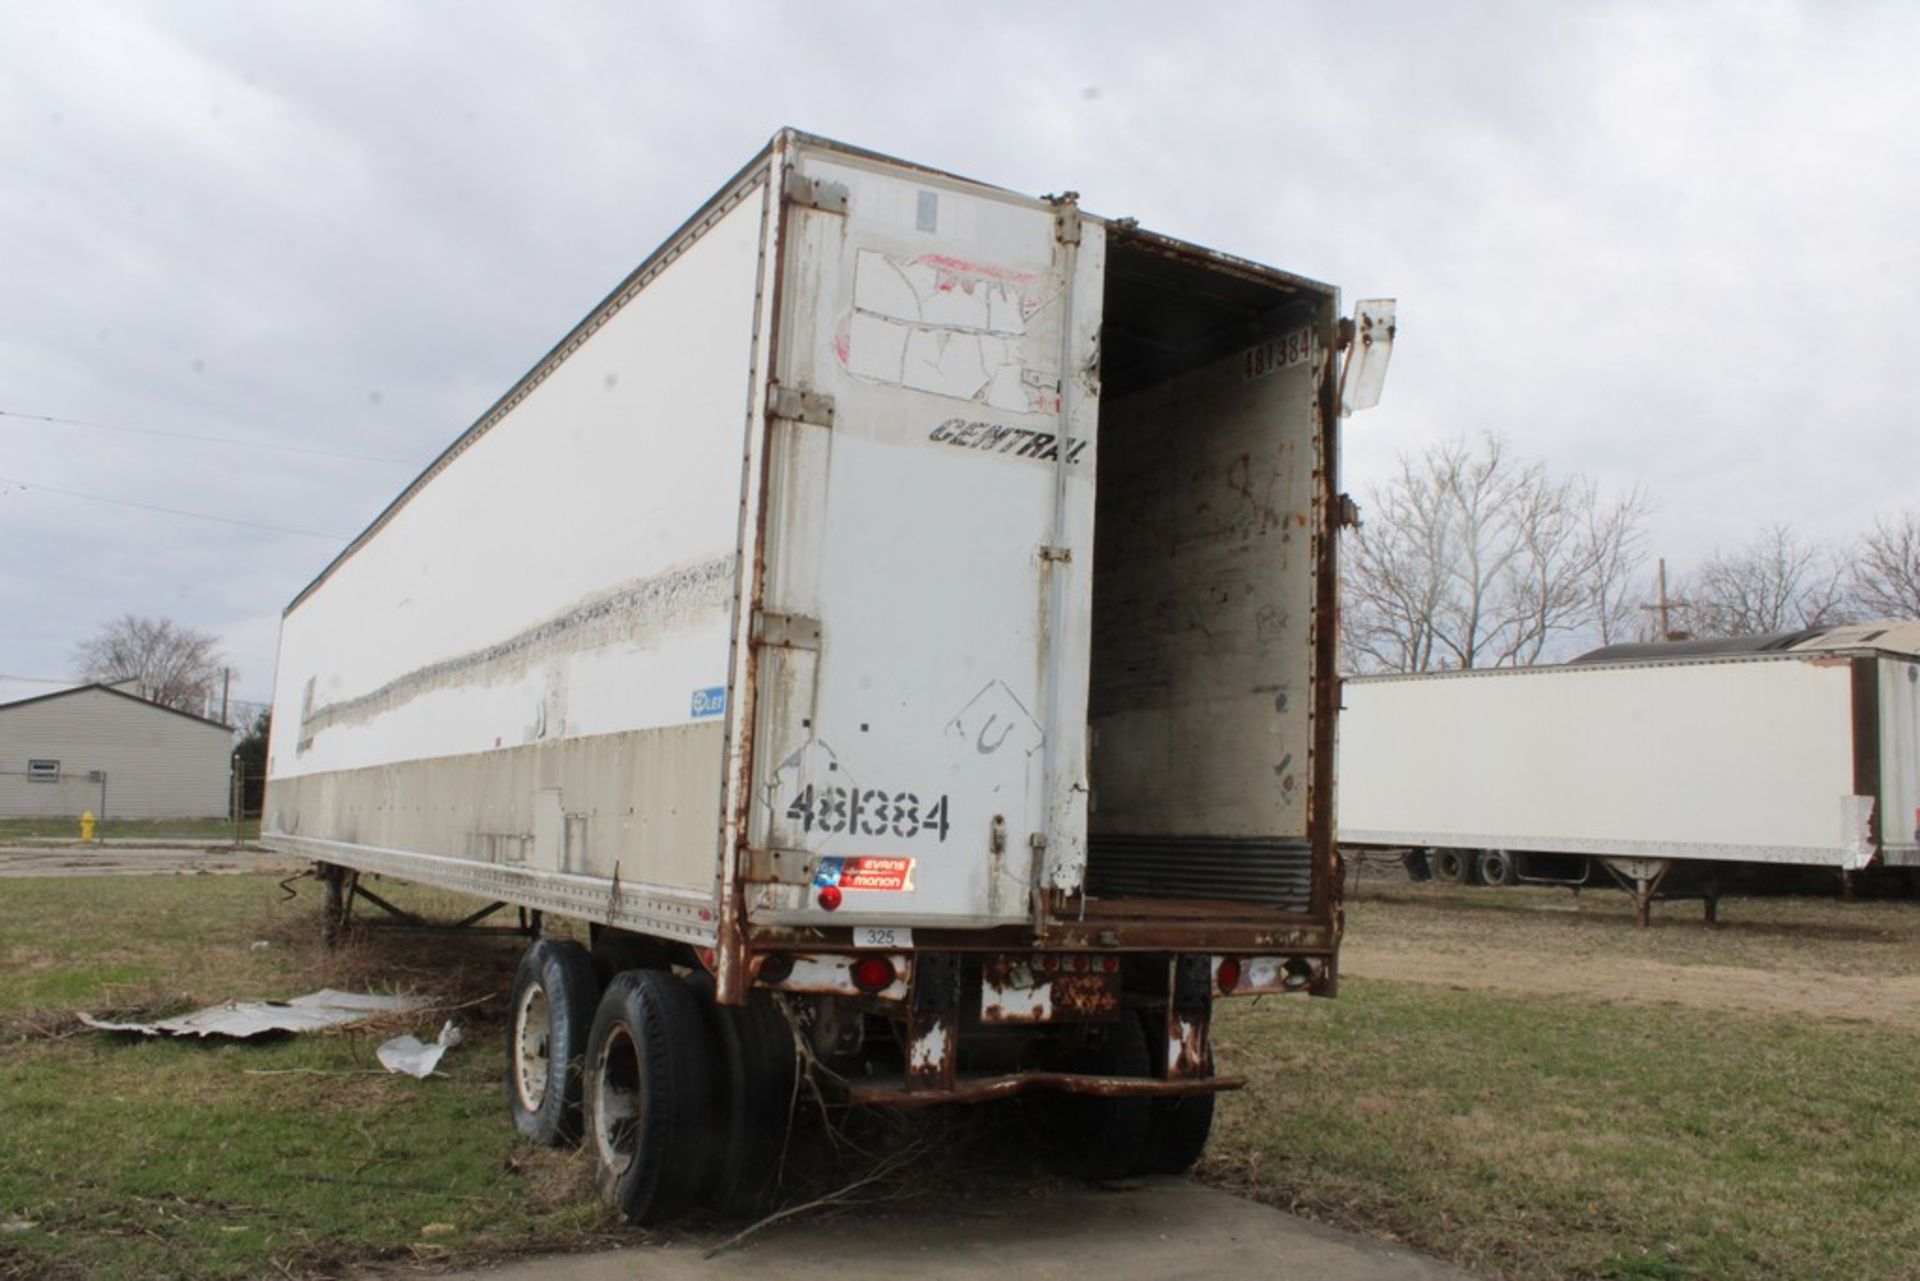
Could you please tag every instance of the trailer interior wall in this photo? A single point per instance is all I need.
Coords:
(512, 666)
(1205, 543)
(1747, 759)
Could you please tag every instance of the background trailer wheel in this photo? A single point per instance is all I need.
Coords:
(1497, 867)
(650, 1098)
(549, 1016)
(1453, 867)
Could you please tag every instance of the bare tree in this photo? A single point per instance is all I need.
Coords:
(176, 666)
(1473, 558)
(1883, 579)
(1778, 582)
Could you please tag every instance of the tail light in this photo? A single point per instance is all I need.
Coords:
(873, 973)
(775, 968)
(829, 897)
(1228, 975)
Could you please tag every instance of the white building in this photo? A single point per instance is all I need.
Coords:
(97, 748)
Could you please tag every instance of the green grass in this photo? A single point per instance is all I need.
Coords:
(1519, 1136)
(1529, 1138)
(136, 1158)
(128, 829)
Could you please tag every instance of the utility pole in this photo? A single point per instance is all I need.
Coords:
(1664, 606)
(226, 673)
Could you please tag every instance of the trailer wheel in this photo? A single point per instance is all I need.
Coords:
(614, 954)
(1454, 867)
(1497, 867)
(1180, 1126)
(1106, 1138)
(550, 1012)
(649, 1097)
(756, 1075)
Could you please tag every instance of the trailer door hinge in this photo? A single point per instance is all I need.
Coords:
(815, 193)
(799, 406)
(1066, 224)
(787, 631)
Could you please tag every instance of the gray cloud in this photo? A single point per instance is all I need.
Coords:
(1657, 243)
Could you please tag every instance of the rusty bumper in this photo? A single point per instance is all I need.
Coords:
(894, 1093)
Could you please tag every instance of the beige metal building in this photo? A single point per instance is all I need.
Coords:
(96, 748)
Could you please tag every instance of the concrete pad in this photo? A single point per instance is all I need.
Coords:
(1164, 1230)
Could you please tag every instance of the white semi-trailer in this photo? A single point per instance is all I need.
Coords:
(1640, 761)
(903, 597)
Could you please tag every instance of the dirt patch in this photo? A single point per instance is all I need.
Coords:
(141, 860)
(1789, 957)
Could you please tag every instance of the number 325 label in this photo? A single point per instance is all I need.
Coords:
(868, 811)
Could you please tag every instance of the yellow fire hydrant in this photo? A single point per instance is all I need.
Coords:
(86, 827)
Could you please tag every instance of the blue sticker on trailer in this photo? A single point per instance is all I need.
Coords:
(709, 702)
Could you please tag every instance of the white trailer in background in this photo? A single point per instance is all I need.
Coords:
(1646, 760)
(903, 596)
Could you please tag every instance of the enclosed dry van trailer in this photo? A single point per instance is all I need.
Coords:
(1647, 764)
(904, 597)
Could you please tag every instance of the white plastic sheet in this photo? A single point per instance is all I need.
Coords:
(243, 1020)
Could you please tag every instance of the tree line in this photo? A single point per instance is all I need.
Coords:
(1472, 556)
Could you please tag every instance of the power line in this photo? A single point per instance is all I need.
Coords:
(171, 511)
(212, 440)
(40, 680)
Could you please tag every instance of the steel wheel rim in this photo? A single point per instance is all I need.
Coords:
(617, 1100)
(532, 1046)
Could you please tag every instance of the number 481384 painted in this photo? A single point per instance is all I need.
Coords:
(867, 811)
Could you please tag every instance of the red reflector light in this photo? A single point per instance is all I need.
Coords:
(775, 969)
(1228, 975)
(1049, 963)
(1080, 963)
(830, 897)
(1109, 963)
(873, 973)
(706, 957)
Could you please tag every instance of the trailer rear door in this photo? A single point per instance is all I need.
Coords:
(919, 650)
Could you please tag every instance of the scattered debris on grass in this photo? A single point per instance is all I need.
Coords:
(409, 1055)
(244, 1020)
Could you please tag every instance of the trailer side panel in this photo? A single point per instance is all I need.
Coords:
(526, 669)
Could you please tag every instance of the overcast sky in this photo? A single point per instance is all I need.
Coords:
(1668, 244)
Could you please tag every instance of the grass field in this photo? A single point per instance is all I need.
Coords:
(129, 829)
(1521, 1134)
(296, 1157)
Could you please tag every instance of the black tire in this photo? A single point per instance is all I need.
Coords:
(1497, 867)
(1453, 867)
(650, 1096)
(1106, 1138)
(1180, 1127)
(615, 954)
(548, 1019)
(753, 1053)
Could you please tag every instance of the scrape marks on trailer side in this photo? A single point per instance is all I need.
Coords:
(658, 602)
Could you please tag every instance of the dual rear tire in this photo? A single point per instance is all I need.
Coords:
(680, 1100)
(1109, 1138)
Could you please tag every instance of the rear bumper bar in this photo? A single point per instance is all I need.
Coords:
(894, 1092)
